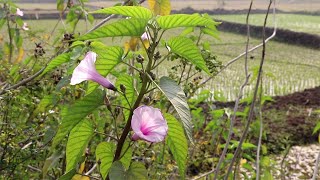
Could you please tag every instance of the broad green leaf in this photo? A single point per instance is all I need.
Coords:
(105, 153)
(77, 143)
(178, 99)
(125, 27)
(127, 81)
(177, 143)
(160, 7)
(136, 171)
(187, 49)
(183, 20)
(107, 59)
(57, 61)
(126, 158)
(211, 32)
(130, 11)
(72, 115)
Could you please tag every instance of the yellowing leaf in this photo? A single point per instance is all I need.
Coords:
(160, 7)
(82, 166)
(20, 55)
(133, 43)
(146, 43)
(80, 177)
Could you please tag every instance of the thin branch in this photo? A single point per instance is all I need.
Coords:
(232, 120)
(250, 50)
(92, 169)
(250, 117)
(23, 82)
(260, 135)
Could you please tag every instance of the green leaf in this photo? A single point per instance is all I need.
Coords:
(160, 7)
(183, 20)
(136, 171)
(50, 163)
(177, 143)
(71, 116)
(126, 158)
(125, 27)
(211, 32)
(187, 49)
(77, 143)
(107, 59)
(57, 61)
(178, 99)
(317, 128)
(105, 153)
(68, 175)
(45, 102)
(129, 11)
(60, 5)
(127, 81)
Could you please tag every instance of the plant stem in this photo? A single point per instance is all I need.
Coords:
(143, 90)
(10, 36)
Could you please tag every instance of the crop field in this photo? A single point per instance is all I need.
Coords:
(294, 22)
(285, 5)
(285, 72)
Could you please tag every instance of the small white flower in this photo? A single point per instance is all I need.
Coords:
(19, 12)
(25, 26)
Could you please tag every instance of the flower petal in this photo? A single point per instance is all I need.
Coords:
(86, 70)
(19, 12)
(148, 124)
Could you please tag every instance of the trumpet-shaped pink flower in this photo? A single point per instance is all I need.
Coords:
(19, 12)
(86, 70)
(148, 124)
(25, 26)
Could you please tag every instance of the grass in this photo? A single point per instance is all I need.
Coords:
(294, 22)
(288, 68)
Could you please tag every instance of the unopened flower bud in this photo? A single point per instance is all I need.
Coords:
(157, 56)
(108, 104)
(152, 75)
(117, 110)
(123, 88)
(140, 59)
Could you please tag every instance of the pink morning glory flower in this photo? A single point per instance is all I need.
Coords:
(148, 124)
(19, 12)
(86, 70)
(145, 36)
(25, 26)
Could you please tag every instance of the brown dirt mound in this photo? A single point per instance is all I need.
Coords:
(309, 98)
